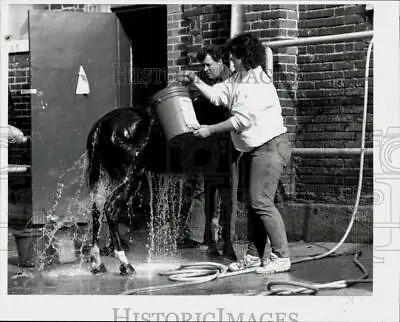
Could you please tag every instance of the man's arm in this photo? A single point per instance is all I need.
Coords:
(216, 94)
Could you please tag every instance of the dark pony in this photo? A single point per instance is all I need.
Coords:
(117, 146)
(121, 146)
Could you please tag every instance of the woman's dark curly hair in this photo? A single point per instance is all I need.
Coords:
(249, 49)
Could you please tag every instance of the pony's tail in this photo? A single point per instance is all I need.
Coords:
(93, 153)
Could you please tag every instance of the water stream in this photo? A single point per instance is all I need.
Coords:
(166, 224)
(72, 206)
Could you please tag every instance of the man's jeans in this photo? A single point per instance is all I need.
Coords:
(214, 206)
(211, 201)
(263, 168)
(197, 216)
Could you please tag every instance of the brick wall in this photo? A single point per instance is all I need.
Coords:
(330, 103)
(177, 35)
(79, 7)
(59, 6)
(19, 79)
(191, 27)
(19, 115)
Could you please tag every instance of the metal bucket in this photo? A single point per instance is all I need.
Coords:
(30, 246)
(175, 111)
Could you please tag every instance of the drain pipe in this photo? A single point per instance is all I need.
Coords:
(237, 18)
(236, 24)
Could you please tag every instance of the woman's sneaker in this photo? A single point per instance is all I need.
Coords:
(248, 261)
(275, 264)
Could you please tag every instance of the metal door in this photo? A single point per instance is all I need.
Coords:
(61, 42)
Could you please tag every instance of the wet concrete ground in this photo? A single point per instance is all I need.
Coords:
(76, 278)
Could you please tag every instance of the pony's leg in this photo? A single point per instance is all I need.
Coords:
(119, 198)
(112, 208)
(97, 264)
(125, 268)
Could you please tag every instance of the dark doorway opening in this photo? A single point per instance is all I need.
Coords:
(146, 27)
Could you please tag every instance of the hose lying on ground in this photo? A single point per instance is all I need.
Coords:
(201, 272)
(309, 289)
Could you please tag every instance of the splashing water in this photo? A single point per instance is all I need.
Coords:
(166, 219)
(62, 220)
(165, 225)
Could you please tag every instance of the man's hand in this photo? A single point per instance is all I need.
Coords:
(186, 76)
(204, 131)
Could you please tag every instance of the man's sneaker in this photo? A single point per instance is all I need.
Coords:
(247, 261)
(275, 264)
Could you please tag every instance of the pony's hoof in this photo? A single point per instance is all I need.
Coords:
(126, 269)
(100, 269)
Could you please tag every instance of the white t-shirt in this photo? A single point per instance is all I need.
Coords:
(254, 105)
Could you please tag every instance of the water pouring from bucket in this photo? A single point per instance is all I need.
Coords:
(166, 224)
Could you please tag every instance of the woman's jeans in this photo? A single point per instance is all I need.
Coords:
(263, 168)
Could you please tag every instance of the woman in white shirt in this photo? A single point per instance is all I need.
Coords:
(257, 130)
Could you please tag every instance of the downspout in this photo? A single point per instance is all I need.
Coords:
(237, 13)
(236, 24)
(237, 18)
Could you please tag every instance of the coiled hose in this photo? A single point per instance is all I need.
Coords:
(201, 272)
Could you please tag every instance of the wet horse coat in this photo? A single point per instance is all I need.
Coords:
(123, 144)
(115, 146)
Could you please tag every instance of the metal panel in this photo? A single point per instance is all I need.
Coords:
(61, 42)
(123, 70)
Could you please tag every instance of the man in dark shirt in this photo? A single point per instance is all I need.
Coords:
(212, 197)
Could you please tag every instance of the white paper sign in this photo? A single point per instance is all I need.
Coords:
(83, 84)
